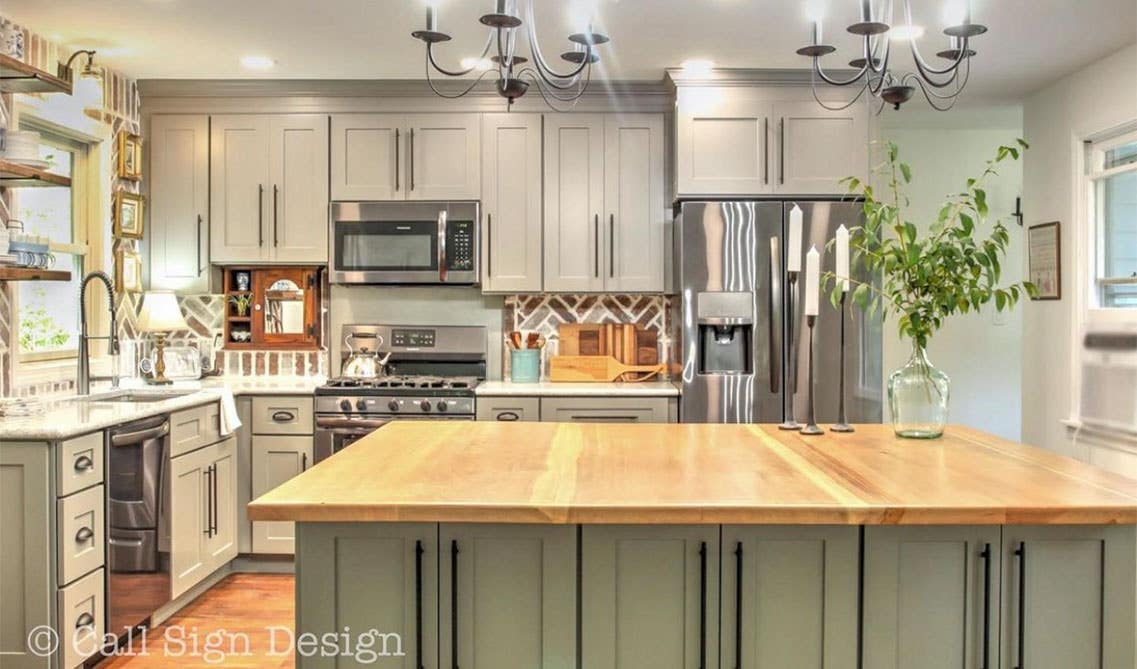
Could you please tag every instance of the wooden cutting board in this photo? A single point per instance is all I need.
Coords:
(581, 339)
(647, 347)
(597, 369)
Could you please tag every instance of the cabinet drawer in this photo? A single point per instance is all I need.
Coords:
(605, 409)
(193, 428)
(509, 409)
(80, 464)
(282, 415)
(81, 534)
(80, 619)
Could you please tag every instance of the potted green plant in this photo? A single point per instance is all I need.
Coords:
(241, 303)
(926, 277)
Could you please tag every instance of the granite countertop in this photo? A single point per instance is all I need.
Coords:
(550, 389)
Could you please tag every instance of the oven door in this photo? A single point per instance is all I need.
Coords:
(335, 433)
(404, 243)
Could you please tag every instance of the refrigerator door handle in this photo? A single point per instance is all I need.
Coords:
(774, 306)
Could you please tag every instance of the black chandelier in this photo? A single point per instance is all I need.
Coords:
(941, 86)
(515, 73)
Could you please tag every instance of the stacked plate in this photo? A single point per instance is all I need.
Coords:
(22, 147)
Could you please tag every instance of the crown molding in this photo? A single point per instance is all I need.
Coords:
(719, 77)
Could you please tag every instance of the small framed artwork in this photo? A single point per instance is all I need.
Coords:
(128, 215)
(129, 156)
(1044, 259)
(128, 270)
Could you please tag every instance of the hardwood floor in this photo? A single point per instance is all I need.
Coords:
(239, 612)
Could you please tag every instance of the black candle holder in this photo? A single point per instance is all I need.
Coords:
(790, 423)
(842, 420)
(811, 426)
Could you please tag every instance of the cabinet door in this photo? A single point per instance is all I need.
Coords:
(509, 409)
(722, 142)
(189, 511)
(574, 202)
(605, 410)
(367, 154)
(515, 583)
(1068, 597)
(221, 545)
(445, 159)
(931, 597)
(25, 562)
(179, 203)
(364, 576)
(298, 160)
(649, 596)
(511, 202)
(240, 188)
(276, 460)
(633, 198)
(798, 597)
(818, 147)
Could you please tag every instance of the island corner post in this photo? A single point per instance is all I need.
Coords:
(600, 545)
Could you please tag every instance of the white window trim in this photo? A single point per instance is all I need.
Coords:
(1096, 151)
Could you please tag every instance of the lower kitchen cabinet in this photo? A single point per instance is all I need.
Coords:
(275, 460)
(932, 597)
(26, 589)
(363, 576)
(1068, 594)
(508, 596)
(609, 410)
(789, 597)
(509, 409)
(203, 513)
(649, 596)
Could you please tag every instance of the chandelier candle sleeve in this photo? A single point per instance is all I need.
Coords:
(843, 257)
(812, 280)
(431, 19)
(793, 245)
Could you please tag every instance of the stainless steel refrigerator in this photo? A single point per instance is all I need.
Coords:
(739, 362)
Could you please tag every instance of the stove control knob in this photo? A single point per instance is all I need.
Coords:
(442, 406)
(393, 405)
(425, 405)
(345, 405)
(361, 404)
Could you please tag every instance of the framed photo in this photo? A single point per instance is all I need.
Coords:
(128, 215)
(128, 270)
(1044, 259)
(129, 156)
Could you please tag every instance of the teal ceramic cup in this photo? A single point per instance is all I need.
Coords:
(525, 365)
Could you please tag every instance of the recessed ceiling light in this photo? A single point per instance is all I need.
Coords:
(257, 62)
(906, 32)
(697, 66)
(476, 63)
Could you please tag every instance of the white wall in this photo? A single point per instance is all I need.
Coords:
(1056, 120)
(980, 352)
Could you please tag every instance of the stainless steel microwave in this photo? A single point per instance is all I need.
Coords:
(404, 243)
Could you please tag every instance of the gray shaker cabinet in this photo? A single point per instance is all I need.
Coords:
(511, 202)
(931, 597)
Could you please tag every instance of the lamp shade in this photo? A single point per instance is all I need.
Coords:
(160, 313)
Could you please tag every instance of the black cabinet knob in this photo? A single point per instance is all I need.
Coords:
(361, 404)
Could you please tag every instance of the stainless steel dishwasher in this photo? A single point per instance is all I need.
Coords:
(138, 558)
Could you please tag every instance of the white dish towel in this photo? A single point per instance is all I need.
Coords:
(230, 421)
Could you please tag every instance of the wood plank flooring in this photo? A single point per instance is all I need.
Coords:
(241, 607)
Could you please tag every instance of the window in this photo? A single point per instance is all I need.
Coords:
(1113, 193)
(49, 311)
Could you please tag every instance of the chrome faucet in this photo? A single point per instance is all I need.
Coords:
(84, 378)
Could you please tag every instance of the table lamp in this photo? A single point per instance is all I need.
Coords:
(160, 315)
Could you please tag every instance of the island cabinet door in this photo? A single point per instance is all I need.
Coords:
(650, 596)
(1069, 596)
(789, 597)
(931, 597)
(507, 596)
(360, 577)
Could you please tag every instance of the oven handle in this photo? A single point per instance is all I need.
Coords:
(442, 246)
(350, 425)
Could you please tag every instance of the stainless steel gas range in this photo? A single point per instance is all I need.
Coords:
(430, 373)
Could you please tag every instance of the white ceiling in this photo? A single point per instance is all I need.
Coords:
(1031, 42)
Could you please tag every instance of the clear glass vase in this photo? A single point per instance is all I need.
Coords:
(918, 398)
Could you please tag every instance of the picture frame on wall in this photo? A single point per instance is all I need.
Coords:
(128, 215)
(129, 156)
(128, 270)
(1044, 260)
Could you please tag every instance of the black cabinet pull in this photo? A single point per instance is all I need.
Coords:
(418, 604)
(508, 416)
(275, 240)
(213, 506)
(84, 620)
(396, 159)
(283, 417)
(411, 159)
(84, 535)
(208, 475)
(260, 215)
(1020, 552)
(738, 606)
(83, 463)
(782, 151)
(489, 245)
(703, 605)
(596, 245)
(200, 269)
(986, 555)
(611, 245)
(453, 604)
(303, 462)
(766, 150)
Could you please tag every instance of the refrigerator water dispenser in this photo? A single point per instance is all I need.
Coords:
(726, 332)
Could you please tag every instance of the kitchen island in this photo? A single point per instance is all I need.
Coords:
(545, 545)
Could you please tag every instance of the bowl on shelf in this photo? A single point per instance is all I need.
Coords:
(241, 335)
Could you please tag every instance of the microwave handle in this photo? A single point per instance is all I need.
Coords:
(442, 246)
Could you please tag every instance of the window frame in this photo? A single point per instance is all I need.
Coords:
(1095, 225)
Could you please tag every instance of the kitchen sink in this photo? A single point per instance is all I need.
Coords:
(138, 396)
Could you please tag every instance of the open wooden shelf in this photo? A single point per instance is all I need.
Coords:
(19, 77)
(14, 175)
(30, 274)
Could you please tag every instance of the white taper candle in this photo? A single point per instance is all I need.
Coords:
(812, 280)
(843, 257)
(793, 245)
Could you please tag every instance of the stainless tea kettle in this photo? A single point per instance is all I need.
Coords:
(364, 363)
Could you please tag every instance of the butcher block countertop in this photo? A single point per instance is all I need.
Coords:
(695, 474)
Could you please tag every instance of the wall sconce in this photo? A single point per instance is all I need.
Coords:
(88, 89)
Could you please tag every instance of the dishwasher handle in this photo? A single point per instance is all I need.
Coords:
(132, 434)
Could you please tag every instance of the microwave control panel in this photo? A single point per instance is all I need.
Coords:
(460, 246)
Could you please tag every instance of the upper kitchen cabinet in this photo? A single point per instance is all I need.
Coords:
(179, 203)
(604, 202)
(742, 142)
(405, 157)
(269, 188)
(511, 202)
